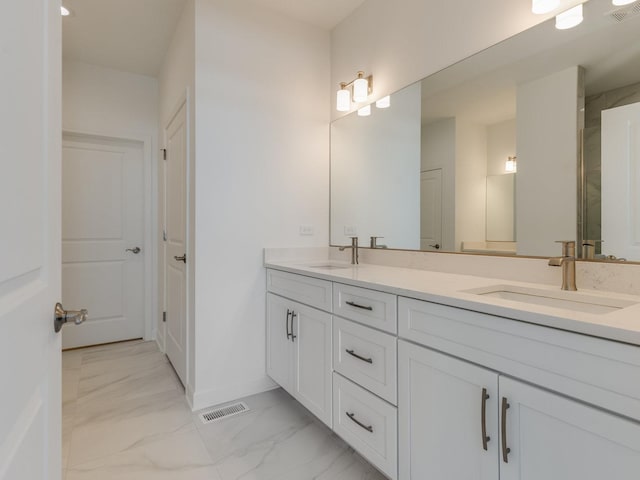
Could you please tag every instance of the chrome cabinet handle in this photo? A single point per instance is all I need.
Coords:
(293, 336)
(352, 304)
(62, 316)
(183, 258)
(289, 312)
(135, 250)
(505, 450)
(352, 417)
(354, 354)
(483, 418)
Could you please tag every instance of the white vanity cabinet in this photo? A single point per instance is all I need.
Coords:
(447, 416)
(551, 437)
(299, 353)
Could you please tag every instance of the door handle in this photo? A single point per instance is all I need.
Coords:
(62, 316)
(135, 250)
(183, 258)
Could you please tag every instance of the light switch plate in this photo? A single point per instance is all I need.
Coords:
(306, 229)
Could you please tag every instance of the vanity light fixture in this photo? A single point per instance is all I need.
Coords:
(544, 6)
(364, 111)
(359, 89)
(510, 165)
(384, 102)
(569, 19)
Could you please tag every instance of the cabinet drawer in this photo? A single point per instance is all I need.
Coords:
(373, 308)
(594, 370)
(366, 356)
(307, 290)
(367, 423)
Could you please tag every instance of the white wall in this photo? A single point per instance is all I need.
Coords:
(471, 182)
(438, 150)
(402, 41)
(262, 162)
(375, 173)
(103, 101)
(501, 144)
(177, 79)
(546, 183)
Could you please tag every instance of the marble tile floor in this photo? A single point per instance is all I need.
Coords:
(125, 417)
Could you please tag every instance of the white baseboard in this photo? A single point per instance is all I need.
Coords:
(207, 398)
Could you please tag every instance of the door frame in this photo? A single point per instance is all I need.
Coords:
(150, 209)
(184, 99)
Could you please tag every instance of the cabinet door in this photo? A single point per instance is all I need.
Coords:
(312, 363)
(279, 345)
(551, 437)
(443, 415)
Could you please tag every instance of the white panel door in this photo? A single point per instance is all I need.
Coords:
(312, 338)
(176, 242)
(447, 417)
(30, 139)
(279, 345)
(102, 225)
(431, 209)
(621, 181)
(551, 437)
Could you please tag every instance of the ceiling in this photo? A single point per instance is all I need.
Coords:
(133, 35)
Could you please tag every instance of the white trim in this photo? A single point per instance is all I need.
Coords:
(150, 219)
(226, 393)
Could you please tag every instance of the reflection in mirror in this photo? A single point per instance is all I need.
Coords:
(430, 172)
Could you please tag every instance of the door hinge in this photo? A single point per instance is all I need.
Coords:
(164, 316)
(164, 153)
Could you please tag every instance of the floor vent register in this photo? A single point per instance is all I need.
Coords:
(217, 414)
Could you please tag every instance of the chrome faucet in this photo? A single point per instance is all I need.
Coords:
(374, 243)
(568, 263)
(354, 250)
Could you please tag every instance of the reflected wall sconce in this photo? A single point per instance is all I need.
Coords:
(384, 102)
(570, 17)
(620, 3)
(511, 165)
(357, 89)
(364, 111)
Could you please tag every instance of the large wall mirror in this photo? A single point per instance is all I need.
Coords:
(534, 140)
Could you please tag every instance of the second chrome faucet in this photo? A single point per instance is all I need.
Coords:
(568, 263)
(354, 250)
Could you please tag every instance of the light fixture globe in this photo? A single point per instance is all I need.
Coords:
(360, 88)
(544, 6)
(343, 99)
(569, 19)
(620, 3)
(64, 11)
(384, 102)
(364, 111)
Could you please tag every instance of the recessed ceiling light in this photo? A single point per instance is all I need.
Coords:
(64, 11)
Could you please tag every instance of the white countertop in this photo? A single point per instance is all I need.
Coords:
(621, 325)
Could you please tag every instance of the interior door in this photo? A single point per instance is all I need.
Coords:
(431, 209)
(551, 437)
(621, 181)
(102, 235)
(30, 137)
(176, 259)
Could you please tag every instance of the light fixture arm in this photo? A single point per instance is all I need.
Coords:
(360, 74)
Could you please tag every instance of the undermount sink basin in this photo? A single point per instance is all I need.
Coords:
(330, 266)
(575, 301)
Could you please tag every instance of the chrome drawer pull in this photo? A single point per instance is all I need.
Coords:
(352, 304)
(483, 419)
(352, 417)
(505, 450)
(354, 354)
